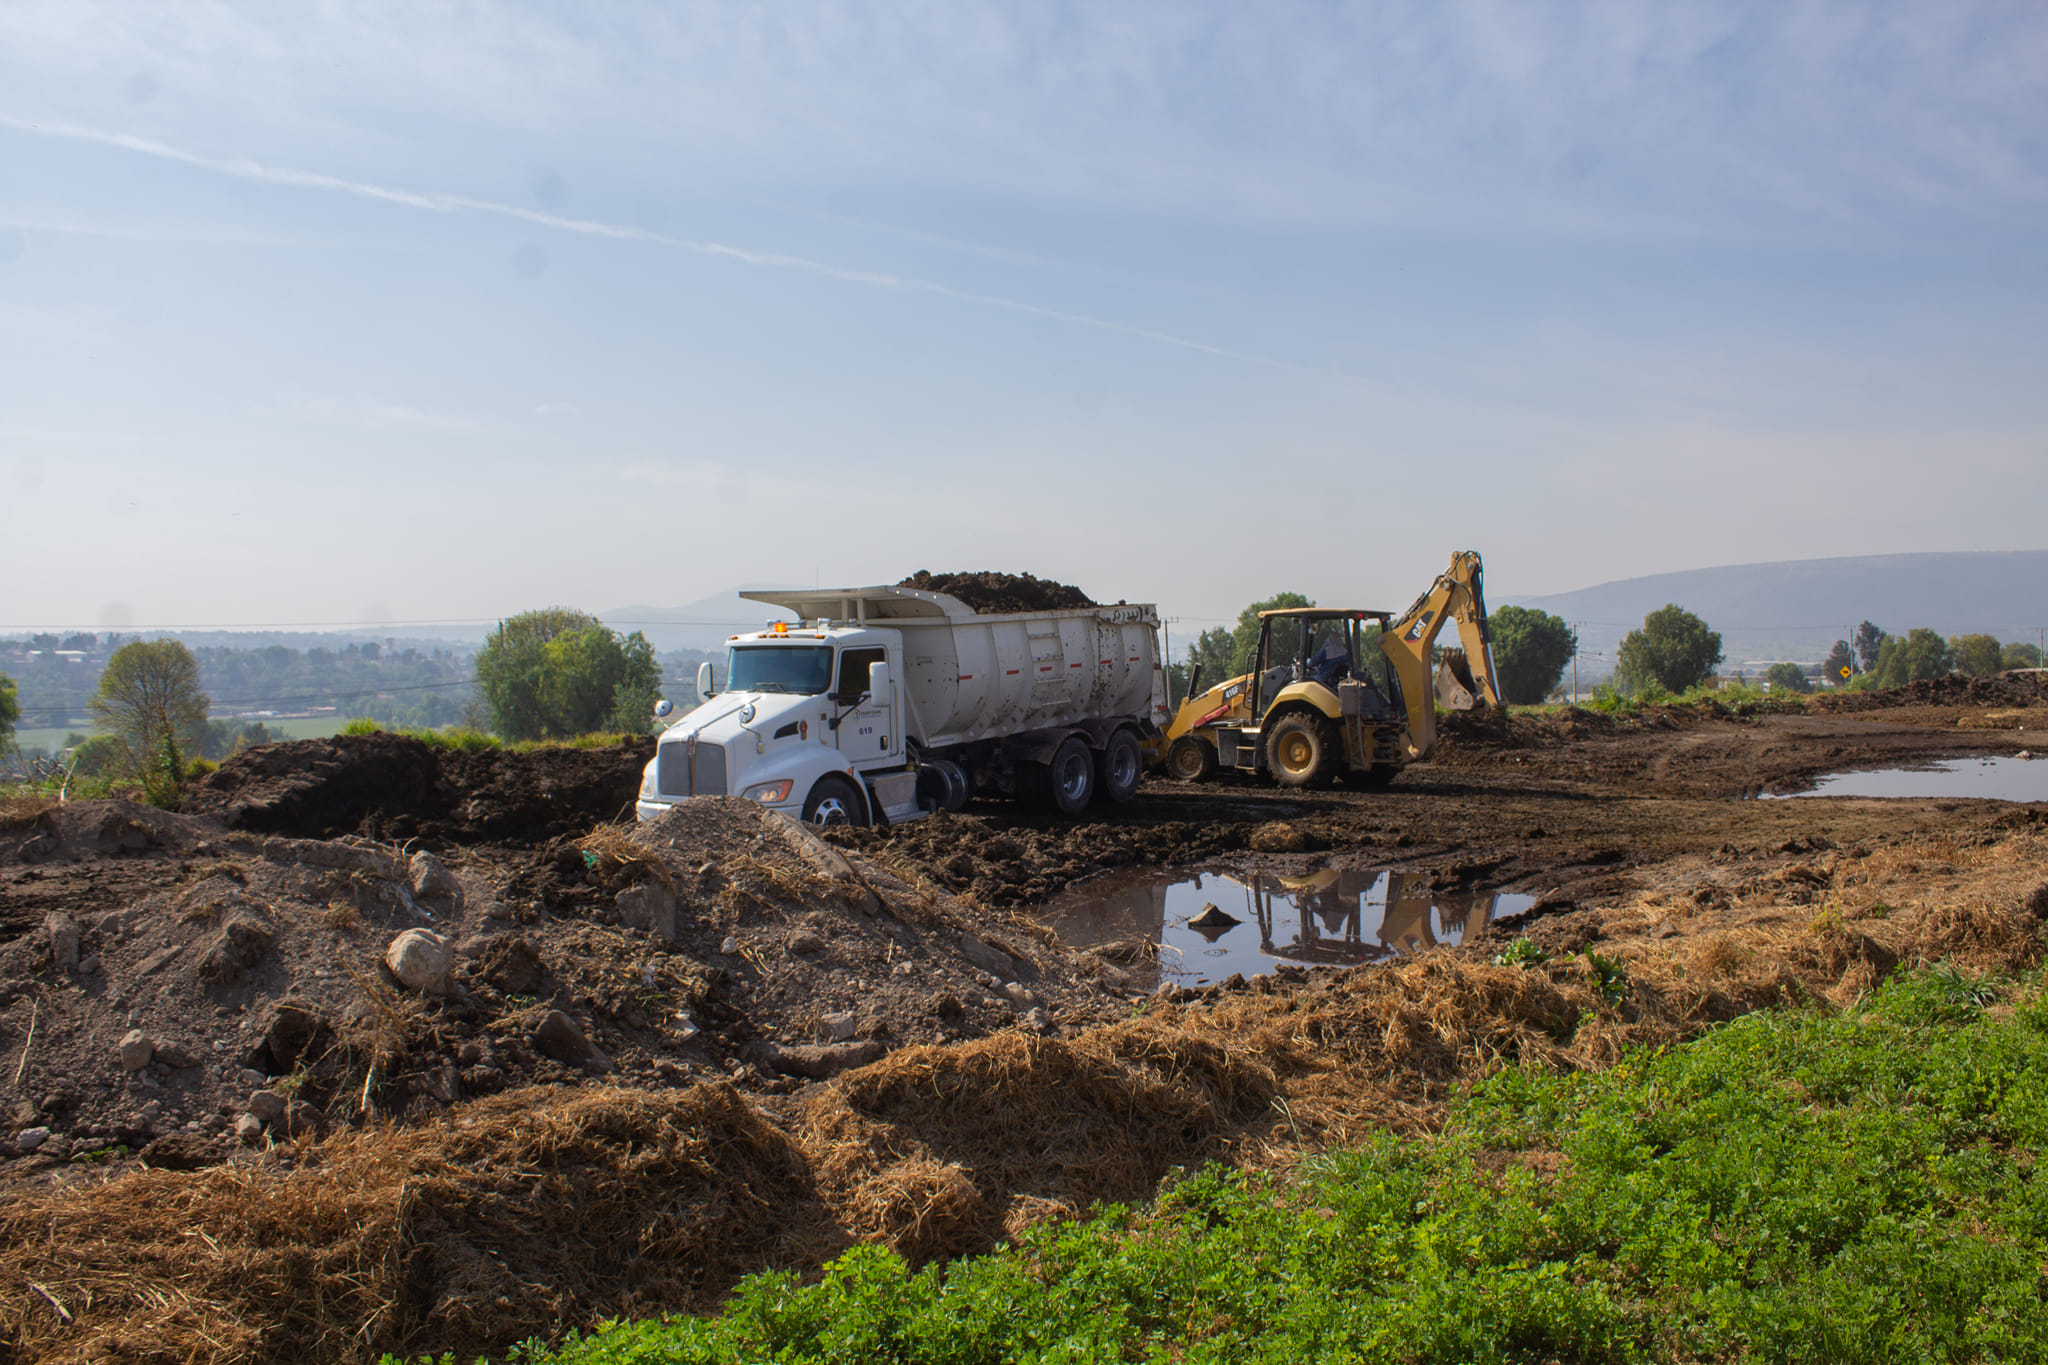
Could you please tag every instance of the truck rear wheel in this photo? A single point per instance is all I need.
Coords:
(1191, 760)
(1119, 767)
(834, 801)
(1301, 751)
(1067, 784)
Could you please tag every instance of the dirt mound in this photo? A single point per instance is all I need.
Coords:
(1999, 689)
(992, 594)
(397, 787)
(721, 941)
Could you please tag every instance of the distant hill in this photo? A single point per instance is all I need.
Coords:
(702, 624)
(1797, 608)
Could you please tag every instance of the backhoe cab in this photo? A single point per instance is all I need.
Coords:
(1340, 693)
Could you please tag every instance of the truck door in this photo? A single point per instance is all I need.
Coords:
(867, 729)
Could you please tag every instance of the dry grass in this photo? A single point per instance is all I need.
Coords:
(528, 1211)
(19, 810)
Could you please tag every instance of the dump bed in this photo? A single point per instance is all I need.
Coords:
(970, 677)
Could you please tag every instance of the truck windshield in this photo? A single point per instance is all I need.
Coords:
(803, 669)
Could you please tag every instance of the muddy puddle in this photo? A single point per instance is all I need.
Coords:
(1984, 779)
(1160, 922)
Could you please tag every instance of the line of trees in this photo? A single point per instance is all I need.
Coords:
(1885, 660)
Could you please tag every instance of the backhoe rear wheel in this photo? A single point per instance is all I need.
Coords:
(1191, 760)
(1302, 750)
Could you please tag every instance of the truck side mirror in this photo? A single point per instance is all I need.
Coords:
(878, 680)
(704, 681)
(664, 708)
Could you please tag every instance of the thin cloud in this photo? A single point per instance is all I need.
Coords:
(245, 169)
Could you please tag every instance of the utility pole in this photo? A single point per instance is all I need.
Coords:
(1576, 628)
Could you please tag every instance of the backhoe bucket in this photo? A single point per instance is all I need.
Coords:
(1456, 689)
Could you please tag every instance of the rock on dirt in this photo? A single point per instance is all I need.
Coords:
(136, 1050)
(557, 1035)
(431, 879)
(992, 594)
(64, 933)
(419, 960)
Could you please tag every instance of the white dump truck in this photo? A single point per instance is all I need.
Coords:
(885, 704)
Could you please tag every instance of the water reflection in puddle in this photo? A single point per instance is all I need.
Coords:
(1985, 779)
(1326, 918)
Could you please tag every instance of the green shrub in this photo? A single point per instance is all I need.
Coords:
(1856, 1187)
(362, 725)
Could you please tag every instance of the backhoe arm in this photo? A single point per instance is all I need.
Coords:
(1456, 595)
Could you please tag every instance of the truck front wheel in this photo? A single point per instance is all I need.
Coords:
(834, 801)
(1301, 751)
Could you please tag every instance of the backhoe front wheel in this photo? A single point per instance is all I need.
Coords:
(1301, 751)
(1191, 759)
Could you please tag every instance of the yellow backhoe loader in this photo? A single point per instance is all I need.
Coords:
(1340, 693)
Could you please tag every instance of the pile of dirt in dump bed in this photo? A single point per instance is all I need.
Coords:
(992, 594)
(399, 788)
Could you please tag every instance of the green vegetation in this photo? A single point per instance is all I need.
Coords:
(1922, 654)
(1869, 640)
(1784, 677)
(1852, 1187)
(2019, 655)
(1523, 952)
(399, 687)
(1673, 649)
(1840, 665)
(1976, 655)
(150, 702)
(1530, 651)
(556, 673)
(10, 710)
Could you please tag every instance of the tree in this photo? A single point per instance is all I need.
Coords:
(1673, 650)
(10, 709)
(148, 698)
(1977, 655)
(2019, 655)
(1788, 678)
(1840, 665)
(1922, 654)
(1226, 653)
(1869, 639)
(557, 673)
(1530, 650)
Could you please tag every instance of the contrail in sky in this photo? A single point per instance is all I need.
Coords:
(244, 169)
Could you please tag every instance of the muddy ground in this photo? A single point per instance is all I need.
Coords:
(634, 1062)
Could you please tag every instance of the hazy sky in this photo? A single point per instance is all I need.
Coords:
(424, 313)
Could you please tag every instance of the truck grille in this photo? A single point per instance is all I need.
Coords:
(677, 774)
